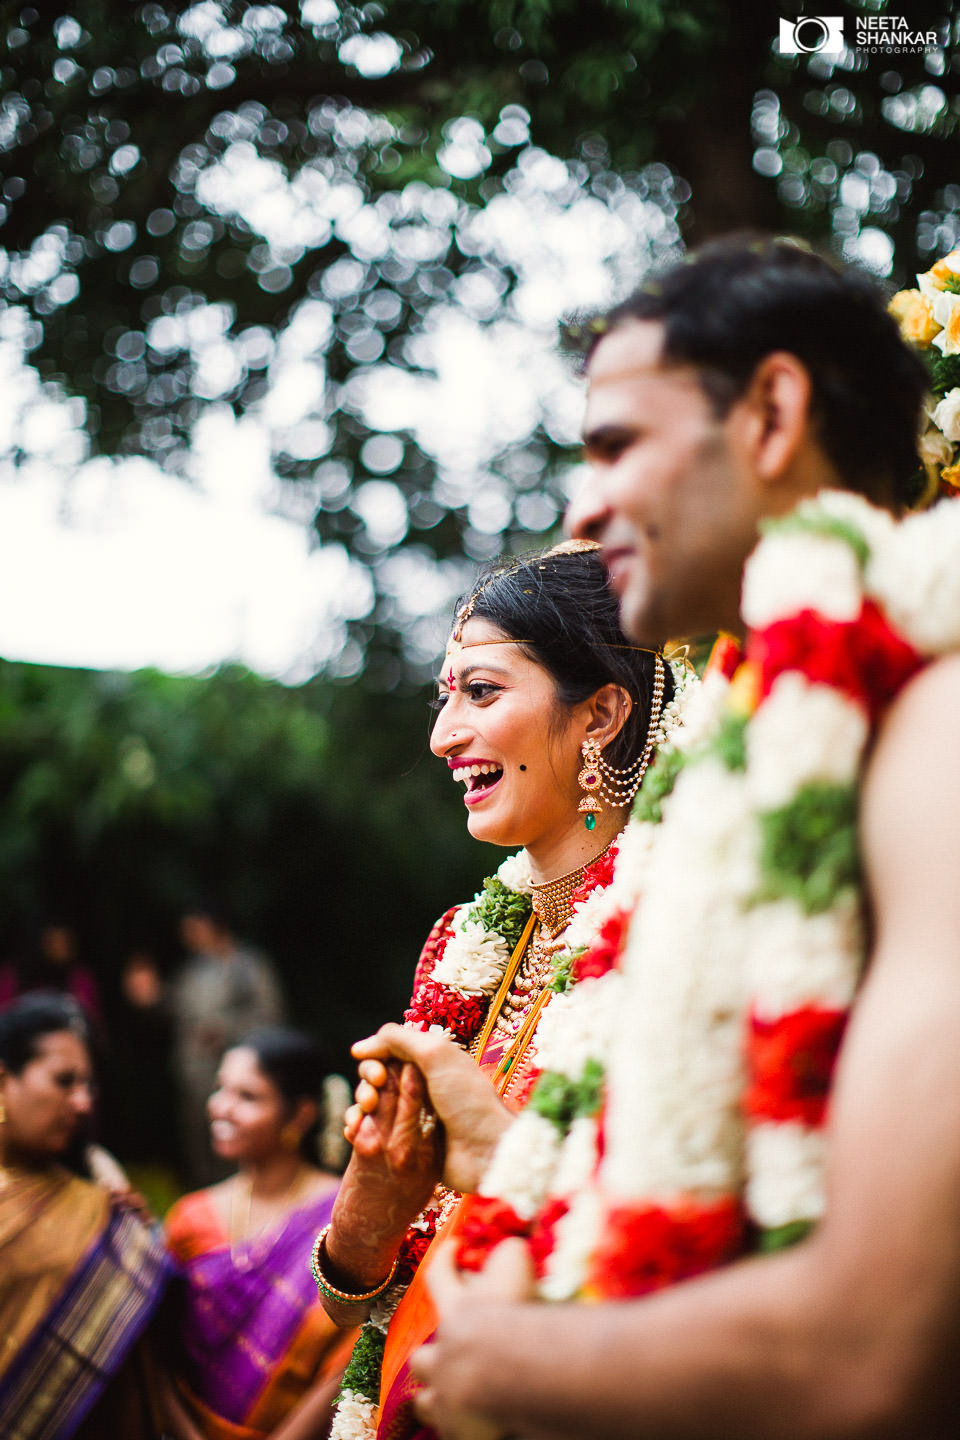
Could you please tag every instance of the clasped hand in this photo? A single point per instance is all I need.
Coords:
(408, 1076)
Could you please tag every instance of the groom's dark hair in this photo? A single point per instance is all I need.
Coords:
(738, 299)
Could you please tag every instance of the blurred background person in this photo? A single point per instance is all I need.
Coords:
(257, 1354)
(142, 1101)
(223, 989)
(81, 1275)
(50, 961)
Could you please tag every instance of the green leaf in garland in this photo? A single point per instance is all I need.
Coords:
(362, 1374)
(562, 1100)
(657, 785)
(730, 742)
(944, 370)
(808, 848)
(501, 910)
(564, 965)
(781, 1237)
(810, 520)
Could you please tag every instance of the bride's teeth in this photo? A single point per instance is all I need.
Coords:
(473, 772)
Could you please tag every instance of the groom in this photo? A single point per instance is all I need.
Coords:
(727, 391)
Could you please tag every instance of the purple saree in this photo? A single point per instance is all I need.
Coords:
(247, 1308)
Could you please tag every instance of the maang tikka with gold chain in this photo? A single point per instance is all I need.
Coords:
(617, 787)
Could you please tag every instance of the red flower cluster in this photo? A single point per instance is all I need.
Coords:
(543, 1236)
(486, 1222)
(599, 873)
(865, 658)
(791, 1062)
(725, 656)
(436, 1004)
(604, 953)
(647, 1249)
(415, 1245)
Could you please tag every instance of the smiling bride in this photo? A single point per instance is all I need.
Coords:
(548, 717)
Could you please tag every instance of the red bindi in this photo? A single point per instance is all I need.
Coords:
(451, 682)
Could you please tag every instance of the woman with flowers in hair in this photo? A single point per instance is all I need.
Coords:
(548, 718)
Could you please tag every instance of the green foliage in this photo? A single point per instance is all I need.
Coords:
(657, 784)
(730, 742)
(129, 245)
(563, 968)
(815, 522)
(944, 370)
(503, 911)
(362, 1375)
(315, 814)
(781, 1237)
(561, 1100)
(808, 848)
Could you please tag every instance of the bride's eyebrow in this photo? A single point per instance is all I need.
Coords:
(469, 670)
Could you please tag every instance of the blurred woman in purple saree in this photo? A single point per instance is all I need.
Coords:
(257, 1356)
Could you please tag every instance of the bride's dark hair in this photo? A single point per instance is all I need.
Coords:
(558, 607)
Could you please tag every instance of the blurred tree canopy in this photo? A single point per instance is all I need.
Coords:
(291, 209)
(124, 798)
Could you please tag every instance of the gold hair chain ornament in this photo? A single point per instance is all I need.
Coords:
(566, 547)
(618, 787)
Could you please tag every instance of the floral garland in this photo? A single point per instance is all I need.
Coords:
(680, 1114)
(463, 964)
(929, 318)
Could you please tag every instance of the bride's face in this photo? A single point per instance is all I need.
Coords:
(506, 738)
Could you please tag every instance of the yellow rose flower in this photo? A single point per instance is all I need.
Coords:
(950, 479)
(946, 269)
(743, 697)
(914, 315)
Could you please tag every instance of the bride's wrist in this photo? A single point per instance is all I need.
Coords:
(339, 1285)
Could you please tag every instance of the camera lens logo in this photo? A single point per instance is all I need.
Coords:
(811, 35)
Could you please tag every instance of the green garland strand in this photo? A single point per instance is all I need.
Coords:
(501, 910)
(657, 784)
(561, 1100)
(809, 849)
(362, 1375)
(829, 527)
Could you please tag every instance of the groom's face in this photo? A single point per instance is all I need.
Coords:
(668, 496)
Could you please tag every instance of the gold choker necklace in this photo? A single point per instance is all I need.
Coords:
(551, 901)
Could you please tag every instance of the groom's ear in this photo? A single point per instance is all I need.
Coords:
(771, 422)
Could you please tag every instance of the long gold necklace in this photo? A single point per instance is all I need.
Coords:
(242, 1240)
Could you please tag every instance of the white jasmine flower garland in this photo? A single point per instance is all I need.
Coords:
(748, 943)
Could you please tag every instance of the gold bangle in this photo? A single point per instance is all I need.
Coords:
(330, 1291)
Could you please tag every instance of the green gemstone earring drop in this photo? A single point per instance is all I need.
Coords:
(589, 780)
